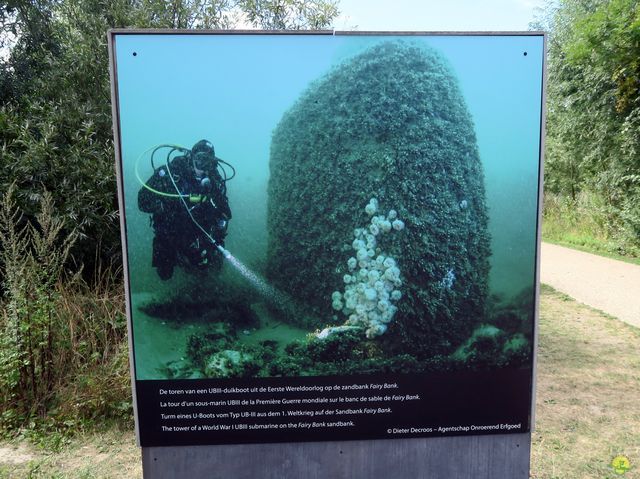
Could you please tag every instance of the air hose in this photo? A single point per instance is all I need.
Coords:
(156, 148)
(178, 193)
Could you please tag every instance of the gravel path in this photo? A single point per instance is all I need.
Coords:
(603, 283)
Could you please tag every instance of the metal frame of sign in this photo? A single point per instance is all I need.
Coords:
(486, 456)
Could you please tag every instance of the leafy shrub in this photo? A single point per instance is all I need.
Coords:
(62, 347)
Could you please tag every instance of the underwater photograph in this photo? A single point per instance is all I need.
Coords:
(329, 205)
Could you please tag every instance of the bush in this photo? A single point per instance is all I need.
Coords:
(62, 340)
(588, 222)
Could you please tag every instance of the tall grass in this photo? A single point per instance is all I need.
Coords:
(587, 223)
(63, 351)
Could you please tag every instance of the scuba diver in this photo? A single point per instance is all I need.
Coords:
(187, 199)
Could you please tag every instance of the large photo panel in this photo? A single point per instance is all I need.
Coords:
(324, 225)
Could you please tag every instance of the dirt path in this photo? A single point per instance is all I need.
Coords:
(606, 284)
(109, 454)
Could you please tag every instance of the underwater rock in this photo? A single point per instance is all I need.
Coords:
(180, 369)
(516, 344)
(486, 340)
(513, 314)
(177, 308)
(490, 347)
(233, 310)
(390, 124)
(227, 363)
(201, 346)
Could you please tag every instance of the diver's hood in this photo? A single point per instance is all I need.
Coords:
(203, 155)
(203, 146)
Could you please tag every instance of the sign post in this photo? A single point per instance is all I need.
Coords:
(331, 245)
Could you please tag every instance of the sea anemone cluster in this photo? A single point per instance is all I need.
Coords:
(373, 280)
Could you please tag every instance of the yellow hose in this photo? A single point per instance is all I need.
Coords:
(143, 183)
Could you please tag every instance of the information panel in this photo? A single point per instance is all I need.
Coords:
(329, 235)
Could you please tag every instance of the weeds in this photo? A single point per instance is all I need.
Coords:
(585, 223)
(63, 351)
(33, 256)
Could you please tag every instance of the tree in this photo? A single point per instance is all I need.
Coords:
(593, 127)
(55, 114)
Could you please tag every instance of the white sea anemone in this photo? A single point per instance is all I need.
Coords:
(376, 329)
(373, 278)
(370, 294)
(370, 209)
(392, 274)
(398, 225)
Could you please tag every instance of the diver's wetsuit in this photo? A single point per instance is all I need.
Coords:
(178, 240)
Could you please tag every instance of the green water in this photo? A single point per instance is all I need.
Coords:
(271, 328)
(161, 344)
(241, 90)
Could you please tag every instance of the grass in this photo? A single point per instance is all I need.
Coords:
(581, 224)
(589, 247)
(588, 385)
(108, 454)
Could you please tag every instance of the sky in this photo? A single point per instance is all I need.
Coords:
(437, 15)
(430, 15)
